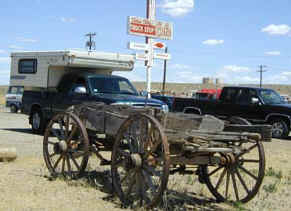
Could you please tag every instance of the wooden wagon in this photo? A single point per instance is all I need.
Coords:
(148, 145)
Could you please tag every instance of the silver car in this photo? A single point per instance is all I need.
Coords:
(14, 98)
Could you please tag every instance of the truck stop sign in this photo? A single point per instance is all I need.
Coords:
(150, 28)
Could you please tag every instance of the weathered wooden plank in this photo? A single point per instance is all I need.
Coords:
(264, 130)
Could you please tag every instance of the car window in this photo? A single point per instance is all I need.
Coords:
(229, 95)
(13, 90)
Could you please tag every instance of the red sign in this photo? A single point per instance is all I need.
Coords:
(150, 28)
(159, 45)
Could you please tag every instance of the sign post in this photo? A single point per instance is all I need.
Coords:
(151, 29)
(151, 15)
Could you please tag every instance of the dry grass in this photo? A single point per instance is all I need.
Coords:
(3, 90)
(2, 100)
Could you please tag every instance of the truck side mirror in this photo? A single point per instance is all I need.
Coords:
(80, 90)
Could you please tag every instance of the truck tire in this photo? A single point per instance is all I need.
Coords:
(13, 108)
(279, 128)
(239, 121)
(37, 121)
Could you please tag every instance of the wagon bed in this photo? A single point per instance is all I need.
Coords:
(148, 145)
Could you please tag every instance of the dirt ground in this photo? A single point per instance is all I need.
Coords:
(25, 183)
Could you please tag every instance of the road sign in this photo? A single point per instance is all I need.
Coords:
(150, 28)
(159, 45)
(165, 56)
(141, 56)
(138, 46)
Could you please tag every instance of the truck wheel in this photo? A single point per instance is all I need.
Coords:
(279, 128)
(37, 122)
(13, 109)
(239, 121)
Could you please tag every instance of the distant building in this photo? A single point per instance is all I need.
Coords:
(207, 80)
(218, 81)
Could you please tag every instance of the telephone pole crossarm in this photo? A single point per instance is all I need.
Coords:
(261, 71)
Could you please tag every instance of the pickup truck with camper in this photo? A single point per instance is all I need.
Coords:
(256, 105)
(55, 81)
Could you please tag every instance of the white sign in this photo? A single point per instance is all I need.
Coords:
(141, 56)
(159, 45)
(165, 56)
(150, 28)
(138, 46)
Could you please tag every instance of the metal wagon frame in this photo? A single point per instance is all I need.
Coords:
(148, 145)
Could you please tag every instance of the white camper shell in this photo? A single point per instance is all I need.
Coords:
(45, 69)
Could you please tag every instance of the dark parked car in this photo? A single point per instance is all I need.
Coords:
(257, 105)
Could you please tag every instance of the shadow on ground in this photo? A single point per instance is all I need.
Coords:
(20, 130)
(172, 200)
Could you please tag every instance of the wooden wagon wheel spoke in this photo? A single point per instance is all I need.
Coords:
(130, 174)
(227, 184)
(67, 125)
(61, 126)
(247, 150)
(72, 133)
(52, 155)
(151, 171)
(215, 170)
(77, 151)
(242, 181)
(220, 179)
(248, 172)
(234, 186)
(130, 186)
(63, 164)
(148, 168)
(57, 162)
(75, 162)
(69, 166)
(249, 160)
(149, 181)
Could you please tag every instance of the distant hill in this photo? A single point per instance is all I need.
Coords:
(180, 88)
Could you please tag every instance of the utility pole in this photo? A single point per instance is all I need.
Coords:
(90, 44)
(165, 72)
(261, 71)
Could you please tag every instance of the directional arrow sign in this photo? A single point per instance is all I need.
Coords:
(138, 46)
(141, 56)
(159, 45)
(165, 56)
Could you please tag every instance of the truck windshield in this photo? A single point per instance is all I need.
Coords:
(270, 97)
(112, 86)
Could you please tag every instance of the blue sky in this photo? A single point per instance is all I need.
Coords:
(228, 39)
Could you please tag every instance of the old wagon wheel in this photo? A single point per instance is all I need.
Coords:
(241, 175)
(140, 161)
(66, 145)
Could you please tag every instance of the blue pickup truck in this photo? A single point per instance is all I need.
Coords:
(81, 87)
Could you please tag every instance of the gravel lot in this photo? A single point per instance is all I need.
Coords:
(25, 183)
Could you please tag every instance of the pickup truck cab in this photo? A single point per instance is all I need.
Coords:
(77, 88)
(257, 105)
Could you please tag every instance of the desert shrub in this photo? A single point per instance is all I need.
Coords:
(271, 188)
(273, 173)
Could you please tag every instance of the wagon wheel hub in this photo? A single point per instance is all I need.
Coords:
(228, 160)
(63, 146)
(136, 160)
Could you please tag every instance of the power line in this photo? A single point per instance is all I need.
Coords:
(90, 43)
(261, 71)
